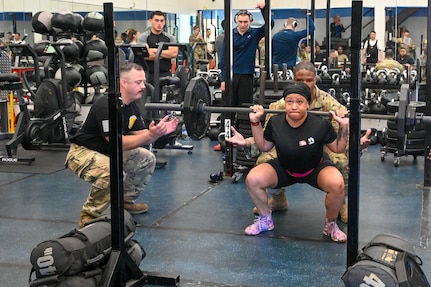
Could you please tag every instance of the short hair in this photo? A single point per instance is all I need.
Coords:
(128, 67)
(157, 13)
(298, 88)
(305, 65)
(222, 24)
(389, 53)
(195, 27)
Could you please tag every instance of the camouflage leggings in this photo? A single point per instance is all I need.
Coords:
(93, 167)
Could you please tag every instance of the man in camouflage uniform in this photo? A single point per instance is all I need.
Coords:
(389, 63)
(196, 37)
(88, 156)
(320, 101)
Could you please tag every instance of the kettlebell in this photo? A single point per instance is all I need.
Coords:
(392, 77)
(368, 79)
(381, 77)
(336, 79)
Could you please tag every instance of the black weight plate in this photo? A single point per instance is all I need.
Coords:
(393, 125)
(420, 106)
(415, 134)
(417, 151)
(415, 146)
(391, 142)
(196, 122)
(392, 107)
(250, 164)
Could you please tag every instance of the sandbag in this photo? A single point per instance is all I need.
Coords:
(387, 260)
(79, 250)
(91, 278)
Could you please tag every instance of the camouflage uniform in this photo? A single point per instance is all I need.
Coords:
(199, 53)
(389, 64)
(93, 167)
(323, 102)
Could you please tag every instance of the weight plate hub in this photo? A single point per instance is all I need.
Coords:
(197, 94)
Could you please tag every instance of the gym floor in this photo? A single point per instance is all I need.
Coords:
(194, 228)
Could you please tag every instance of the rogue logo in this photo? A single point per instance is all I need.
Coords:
(9, 159)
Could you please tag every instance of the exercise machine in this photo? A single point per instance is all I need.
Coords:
(51, 120)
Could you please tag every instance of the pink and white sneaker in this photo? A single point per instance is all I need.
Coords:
(261, 224)
(331, 229)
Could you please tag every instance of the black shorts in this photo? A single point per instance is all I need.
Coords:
(285, 179)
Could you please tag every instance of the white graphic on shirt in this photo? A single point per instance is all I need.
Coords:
(105, 126)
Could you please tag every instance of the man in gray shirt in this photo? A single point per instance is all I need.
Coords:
(218, 45)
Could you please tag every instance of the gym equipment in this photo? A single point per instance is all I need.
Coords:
(73, 77)
(197, 111)
(97, 77)
(73, 257)
(202, 63)
(387, 260)
(41, 22)
(170, 90)
(95, 50)
(11, 82)
(66, 21)
(53, 114)
(93, 21)
(414, 139)
(120, 268)
(71, 49)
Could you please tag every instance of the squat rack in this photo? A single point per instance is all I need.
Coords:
(120, 267)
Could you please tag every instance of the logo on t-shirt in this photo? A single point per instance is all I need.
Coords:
(310, 140)
(132, 121)
(306, 142)
(105, 126)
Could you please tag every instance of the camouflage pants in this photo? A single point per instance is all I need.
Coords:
(93, 167)
(340, 160)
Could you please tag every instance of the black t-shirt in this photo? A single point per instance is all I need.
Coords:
(96, 126)
(299, 149)
(406, 60)
(153, 41)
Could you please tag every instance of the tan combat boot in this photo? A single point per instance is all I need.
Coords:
(277, 202)
(344, 213)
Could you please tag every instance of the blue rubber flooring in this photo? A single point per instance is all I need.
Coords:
(194, 228)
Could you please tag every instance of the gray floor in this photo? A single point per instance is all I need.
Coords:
(194, 228)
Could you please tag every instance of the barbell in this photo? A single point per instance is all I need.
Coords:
(197, 109)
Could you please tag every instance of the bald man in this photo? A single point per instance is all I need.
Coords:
(285, 42)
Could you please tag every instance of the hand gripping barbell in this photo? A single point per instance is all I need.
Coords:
(197, 111)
